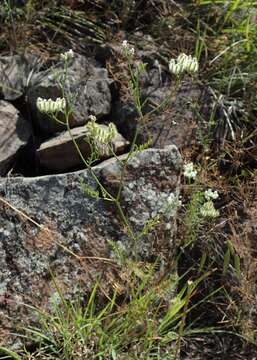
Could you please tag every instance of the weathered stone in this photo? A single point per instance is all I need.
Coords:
(15, 72)
(174, 123)
(15, 132)
(50, 223)
(177, 124)
(60, 153)
(86, 84)
(146, 197)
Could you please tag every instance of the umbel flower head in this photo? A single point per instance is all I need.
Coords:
(183, 63)
(211, 195)
(127, 49)
(98, 134)
(50, 106)
(68, 55)
(189, 171)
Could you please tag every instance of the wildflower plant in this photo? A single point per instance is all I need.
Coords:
(143, 295)
(99, 137)
(127, 50)
(199, 210)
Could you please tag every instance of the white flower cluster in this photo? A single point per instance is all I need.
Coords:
(50, 106)
(127, 49)
(183, 63)
(99, 134)
(68, 55)
(189, 171)
(208, 210)
(211, 195)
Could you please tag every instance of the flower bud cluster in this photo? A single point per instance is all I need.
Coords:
(127, 49)
(50, 106)
(68, 55)
(189, 171)
(99, 134)
(184, 63)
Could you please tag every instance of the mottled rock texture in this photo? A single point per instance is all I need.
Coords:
(86, 85)
(15, 74)
(59, 153)
(15, 132)
(73, 223)
(169, 115)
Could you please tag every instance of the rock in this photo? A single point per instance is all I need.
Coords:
(60, 154)
(15, 132)
(87, 84)
(50, 223)
(15, 72)
(175, 124)
(147, 196)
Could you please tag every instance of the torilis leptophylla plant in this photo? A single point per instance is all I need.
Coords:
(97, 135)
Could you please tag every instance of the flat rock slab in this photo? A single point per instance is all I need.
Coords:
(15, 132)
(50, 223)
(60, 154)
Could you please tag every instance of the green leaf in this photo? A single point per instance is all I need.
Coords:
(9, 353)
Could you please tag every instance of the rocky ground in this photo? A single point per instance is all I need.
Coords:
(50, 225)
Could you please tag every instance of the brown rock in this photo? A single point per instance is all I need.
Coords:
(60, 154)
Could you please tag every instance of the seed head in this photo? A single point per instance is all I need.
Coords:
(208, 210)
(50, 106)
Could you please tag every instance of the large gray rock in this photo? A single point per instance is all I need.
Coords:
(60, 154)
(50, 223)
(15, 132)
(173, 123)
(16, 72)
(86, 84)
